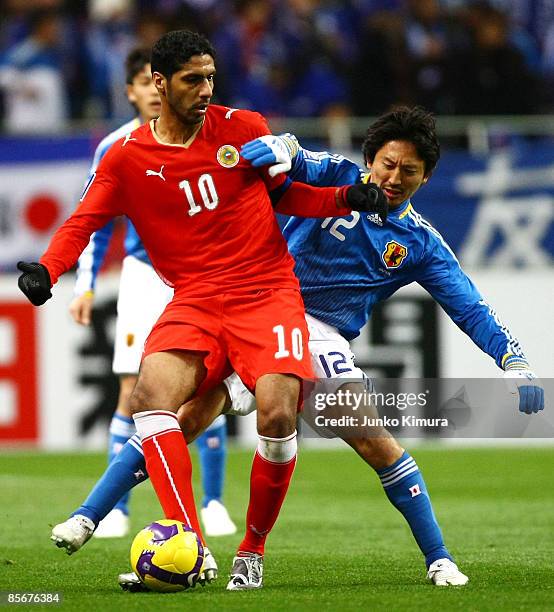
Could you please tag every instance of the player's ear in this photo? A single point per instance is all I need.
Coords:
(159, 82)
(131, 96)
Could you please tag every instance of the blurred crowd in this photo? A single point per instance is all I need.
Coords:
(62, 60)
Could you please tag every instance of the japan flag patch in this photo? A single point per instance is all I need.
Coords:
(415, 490)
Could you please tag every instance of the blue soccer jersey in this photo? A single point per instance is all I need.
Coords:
(92, 257)
(346, 265)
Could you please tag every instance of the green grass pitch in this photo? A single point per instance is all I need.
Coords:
(338, 544)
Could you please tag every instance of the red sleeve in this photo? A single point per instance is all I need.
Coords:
(98, 205)
(303, 200)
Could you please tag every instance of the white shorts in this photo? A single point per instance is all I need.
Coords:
(331, 358)
(142, 299)
(331, 354)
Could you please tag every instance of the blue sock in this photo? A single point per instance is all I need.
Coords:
(213, 452)
(126, 470)
(406, 490)
(121, 429)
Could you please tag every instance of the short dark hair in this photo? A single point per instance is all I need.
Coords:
(415, 125)
(176, 48)
(135, 63)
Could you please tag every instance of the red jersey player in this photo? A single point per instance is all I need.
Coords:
(206, 219)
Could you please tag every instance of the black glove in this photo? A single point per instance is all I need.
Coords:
(366, 197)
(34, 282)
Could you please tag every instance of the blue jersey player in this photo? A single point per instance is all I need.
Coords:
(142, 298)
(345, 266)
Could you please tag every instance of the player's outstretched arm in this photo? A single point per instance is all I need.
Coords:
(441, 275)
(99, 204)
(306, 201)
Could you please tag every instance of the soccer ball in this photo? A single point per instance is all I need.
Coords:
(167, 556)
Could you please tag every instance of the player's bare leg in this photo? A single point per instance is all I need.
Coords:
(166, 381)
(196, 415)
(379, 452)
(272, 468)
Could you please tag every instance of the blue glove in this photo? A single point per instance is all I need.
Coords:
(276, 152)
(520, 379)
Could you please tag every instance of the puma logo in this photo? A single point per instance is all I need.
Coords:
(230, 112)
(127, 139)
(154, 173)
(258, 532)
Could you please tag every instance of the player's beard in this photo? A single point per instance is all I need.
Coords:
(185, 115)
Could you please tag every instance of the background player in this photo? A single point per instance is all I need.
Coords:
(207, 223)
(141, 300)
(342, 279)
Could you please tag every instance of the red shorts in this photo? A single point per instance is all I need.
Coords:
(251, 332)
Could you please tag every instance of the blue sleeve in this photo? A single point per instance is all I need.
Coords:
(91, 259)
(324, 169)
(450, 286)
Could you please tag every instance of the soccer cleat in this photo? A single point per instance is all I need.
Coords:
(132, 583)
(73, 533)
(209, 568)
(216, 520)
(444, 572)
(114, 525)
(247, 572)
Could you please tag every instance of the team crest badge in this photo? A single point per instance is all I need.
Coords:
(394, 254)
(228, 156)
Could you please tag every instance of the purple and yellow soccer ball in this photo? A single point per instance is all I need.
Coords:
(167, 556)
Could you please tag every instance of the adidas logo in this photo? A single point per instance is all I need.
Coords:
(374, 218)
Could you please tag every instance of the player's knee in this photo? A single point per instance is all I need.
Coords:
(277, 401)
(276, 421)
(140, 399)
(190, 426)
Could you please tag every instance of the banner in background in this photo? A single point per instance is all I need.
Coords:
(41, 181)
(496, 210)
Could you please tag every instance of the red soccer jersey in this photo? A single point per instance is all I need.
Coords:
(202, 212)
